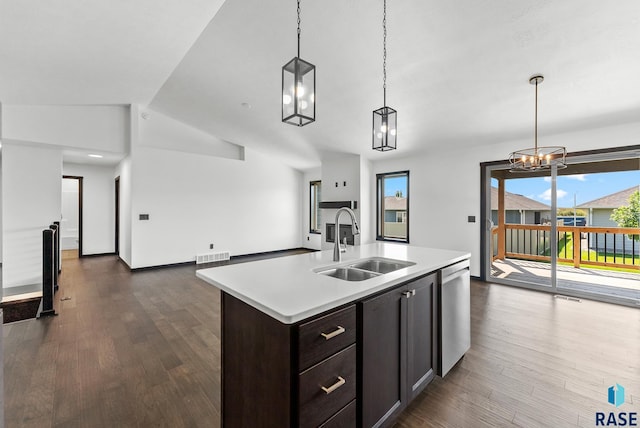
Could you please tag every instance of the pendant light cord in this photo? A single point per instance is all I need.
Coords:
(536, 123)
(384, 53)
(298, 28)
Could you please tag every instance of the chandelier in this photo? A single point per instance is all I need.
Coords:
(537, 158)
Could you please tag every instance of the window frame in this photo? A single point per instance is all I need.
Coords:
(380, 206)
(315, 186)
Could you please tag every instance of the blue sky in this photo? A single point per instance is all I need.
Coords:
(586, 187)
(392, 184)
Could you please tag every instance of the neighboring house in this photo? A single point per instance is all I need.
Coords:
(395, 216)
(395, 209)
(519, 209)
(599, 215)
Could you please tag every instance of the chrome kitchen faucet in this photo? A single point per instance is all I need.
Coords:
(354, 230)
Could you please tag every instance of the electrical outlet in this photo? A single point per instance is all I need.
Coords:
(211, 246)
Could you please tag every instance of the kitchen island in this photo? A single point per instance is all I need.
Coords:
(302, 348)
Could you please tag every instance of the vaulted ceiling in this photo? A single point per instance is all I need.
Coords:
(457, 70)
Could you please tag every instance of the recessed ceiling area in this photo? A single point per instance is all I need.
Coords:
(457, 72)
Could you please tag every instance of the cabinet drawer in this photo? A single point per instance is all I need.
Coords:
(345, 418)
(337, 375)
(325, 336)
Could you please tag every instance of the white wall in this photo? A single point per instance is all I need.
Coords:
(98, 228)
(367, 199)
(100, 128)
(312, 241)
(31, 194)
(124, 171)
(445, 184)
(163, 132)
(194, 200)
(337, 169)
(1, 210)
(1, 203)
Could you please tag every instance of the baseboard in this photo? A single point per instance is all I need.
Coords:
(233, 258)
(169, 265)
(123, 262)
(98, 255)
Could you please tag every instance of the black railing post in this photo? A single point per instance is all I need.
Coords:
(56, 255)
(59, 261)
(48, 273)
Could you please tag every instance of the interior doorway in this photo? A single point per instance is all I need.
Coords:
(117, 216)
(71, 221)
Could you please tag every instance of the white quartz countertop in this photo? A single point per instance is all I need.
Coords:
(289, 289)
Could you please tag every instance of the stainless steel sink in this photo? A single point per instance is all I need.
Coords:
(365, 269)
(382, 265)
(349, 274)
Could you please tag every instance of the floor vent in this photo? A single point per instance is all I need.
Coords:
(572, 299)
(212, 257)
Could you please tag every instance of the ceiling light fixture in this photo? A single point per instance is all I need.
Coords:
(385, 118)
(537, 158)
(298, 89)
(95, 156)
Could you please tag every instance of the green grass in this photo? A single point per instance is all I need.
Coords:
(594, 256)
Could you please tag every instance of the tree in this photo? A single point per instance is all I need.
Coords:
(629, 215)
(398, 193)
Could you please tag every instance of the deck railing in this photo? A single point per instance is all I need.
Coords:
(581, 245)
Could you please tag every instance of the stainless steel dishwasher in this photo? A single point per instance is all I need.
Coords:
(454, 306)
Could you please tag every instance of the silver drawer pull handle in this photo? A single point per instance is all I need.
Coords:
(333, 334)
(335, 386)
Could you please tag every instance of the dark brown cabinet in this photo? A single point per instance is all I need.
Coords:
(280, 375)
(356, 366)
(397, 356)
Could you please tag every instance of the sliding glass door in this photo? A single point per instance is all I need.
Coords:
(572, 231)
(520, 229)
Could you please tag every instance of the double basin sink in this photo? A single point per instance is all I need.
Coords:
(363, 269)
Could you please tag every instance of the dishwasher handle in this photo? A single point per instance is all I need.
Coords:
(451, 272)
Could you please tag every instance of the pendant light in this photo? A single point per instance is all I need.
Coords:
(384, 118)
(298, 89)
(537, 158)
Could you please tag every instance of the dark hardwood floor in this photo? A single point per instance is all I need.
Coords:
(143, 350)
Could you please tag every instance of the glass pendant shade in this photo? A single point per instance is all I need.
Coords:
(384, 129)
(298, 92)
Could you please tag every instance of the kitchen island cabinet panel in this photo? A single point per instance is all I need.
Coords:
(397, 354)
(327, 387)
(382, 360)
(326, 335)
(345, 418)
(256, 377)
(421, 320)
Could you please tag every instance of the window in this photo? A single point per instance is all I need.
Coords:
(393, 206)
(315, 222)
